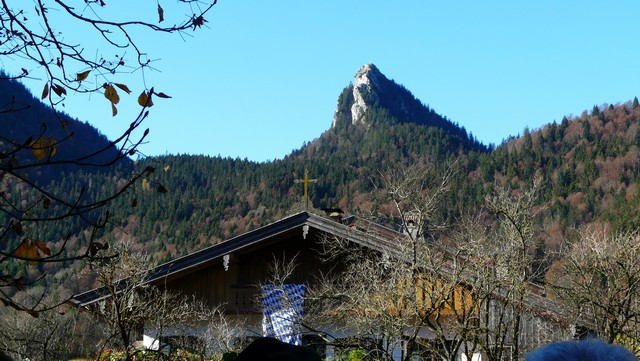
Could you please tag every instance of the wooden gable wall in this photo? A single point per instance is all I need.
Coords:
(237, 288)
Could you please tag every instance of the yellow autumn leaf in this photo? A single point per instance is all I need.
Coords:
(166, 168)
(53, 147)
(82, 76)
(27, 249)
(39, 148)
(45, 91)
(43, 146)
(123, 87)
(111, 94)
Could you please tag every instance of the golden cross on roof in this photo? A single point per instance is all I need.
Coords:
(305, 181)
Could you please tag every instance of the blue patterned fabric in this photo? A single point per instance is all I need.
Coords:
(283, 307)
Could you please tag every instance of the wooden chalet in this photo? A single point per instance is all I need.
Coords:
(229, 273)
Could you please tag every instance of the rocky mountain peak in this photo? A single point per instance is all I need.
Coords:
(364, 91)
(366, 82)
(373, 101)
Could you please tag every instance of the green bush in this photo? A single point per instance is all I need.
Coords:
(356, 355)
(353, 355)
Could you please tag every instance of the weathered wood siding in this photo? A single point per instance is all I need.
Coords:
(237, 288)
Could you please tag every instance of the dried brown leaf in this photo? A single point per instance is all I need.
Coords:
(111, 94)
(45, 91)
(160, 13)
(123, 87)
(59, 89)
(83, 75)
(198, 22)
(43, 248)
(145, 100)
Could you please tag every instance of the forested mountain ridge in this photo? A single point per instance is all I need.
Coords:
(590, 166)
(589, 163)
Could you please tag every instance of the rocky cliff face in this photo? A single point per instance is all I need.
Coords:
(365, 90)
(367, 81)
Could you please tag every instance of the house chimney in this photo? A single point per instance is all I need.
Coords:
(411, 226)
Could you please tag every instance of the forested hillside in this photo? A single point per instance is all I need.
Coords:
(211, 199)
(590, 166)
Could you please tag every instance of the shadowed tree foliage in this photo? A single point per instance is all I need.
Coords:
(38, 41)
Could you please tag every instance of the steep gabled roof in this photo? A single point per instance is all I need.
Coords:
(358, 231)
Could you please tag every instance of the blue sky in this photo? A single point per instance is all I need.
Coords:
(264, 76)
